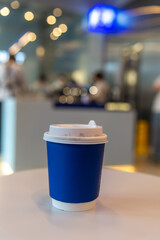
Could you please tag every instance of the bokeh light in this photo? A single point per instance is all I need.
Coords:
(57, 32)
(108, 16)
(118, 106)
(15, 48)
(40, 51)
(63, 28)
(15, 4)
(29, 16)
(94, 17)
(5, 11)
(23, 41)
(51, 20)
(102, 18)
(4, 56)
(20, 57)
(80, 77)
(31, 36)
(57, 12)
(66, 91)
(52, 36)
(93, 90)
(75, 92)
(138, 47)
(63, 99)
(70, 99)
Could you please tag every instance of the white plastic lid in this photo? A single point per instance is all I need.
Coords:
(76, 134)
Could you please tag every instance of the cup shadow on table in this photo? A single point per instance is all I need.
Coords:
(44, 203)
(65, 218)
(110, 206)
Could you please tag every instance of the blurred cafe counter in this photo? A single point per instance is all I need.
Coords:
(23, 122)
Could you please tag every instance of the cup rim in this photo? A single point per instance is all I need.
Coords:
(74, 126)
(75, 140)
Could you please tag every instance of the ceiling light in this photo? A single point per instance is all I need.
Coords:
(53, 37)
(51, 20)
(15, 48)
(57, 32)
(63, 28)
(101, 18)
(57, 12)
(31, 36)
(29, 16)
(15, 4)
(23, 41)
(5, 11)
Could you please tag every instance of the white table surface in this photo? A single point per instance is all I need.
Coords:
(128, 208)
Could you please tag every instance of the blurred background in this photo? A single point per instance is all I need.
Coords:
(70, 62)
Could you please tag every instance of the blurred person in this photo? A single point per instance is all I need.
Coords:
(14, 77)
(99, 90)
(155, 130)
(42, 87)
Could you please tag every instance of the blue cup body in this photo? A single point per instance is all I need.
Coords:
(74, 171)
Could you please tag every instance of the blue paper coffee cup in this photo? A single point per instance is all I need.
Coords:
(75, 157)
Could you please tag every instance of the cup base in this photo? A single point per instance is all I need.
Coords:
(73, 207)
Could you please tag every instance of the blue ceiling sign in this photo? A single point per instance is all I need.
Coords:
(102, 18)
